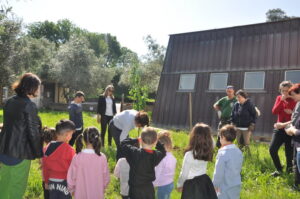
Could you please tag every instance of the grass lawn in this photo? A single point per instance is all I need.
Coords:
(257, 182)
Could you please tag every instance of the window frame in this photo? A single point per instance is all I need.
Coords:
(264, 79)
(187, 90)
(210, 80)
(290, 71)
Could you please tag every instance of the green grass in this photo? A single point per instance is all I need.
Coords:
(257, 182)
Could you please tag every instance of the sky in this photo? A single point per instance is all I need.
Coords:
(132, 20)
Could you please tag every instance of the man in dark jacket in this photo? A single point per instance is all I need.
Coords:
(75, 115)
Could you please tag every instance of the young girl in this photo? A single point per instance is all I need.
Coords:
(165, 170)
(193, 181)
(88, 175)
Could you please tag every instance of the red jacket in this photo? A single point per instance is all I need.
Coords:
(279, 106)
(56, 165)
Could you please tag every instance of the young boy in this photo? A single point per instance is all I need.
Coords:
(227, 174)
(142, 162)
(57, 159)
(75, 115)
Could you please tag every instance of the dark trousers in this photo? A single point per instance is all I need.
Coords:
(46, 191)
(279, 137)
(115, 132)
(221, 124)
(59, 190)
(295, 167)
(142, 192)
(74, 136)
(104, 122)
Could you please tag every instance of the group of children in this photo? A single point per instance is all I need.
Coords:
(86, 174)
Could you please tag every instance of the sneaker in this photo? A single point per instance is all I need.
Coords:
(276, 174)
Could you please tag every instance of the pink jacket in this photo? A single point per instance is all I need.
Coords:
(88, 175)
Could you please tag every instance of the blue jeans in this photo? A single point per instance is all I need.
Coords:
(164, 192)
(298, 160)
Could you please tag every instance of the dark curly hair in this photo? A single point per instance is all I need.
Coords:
(27, 85)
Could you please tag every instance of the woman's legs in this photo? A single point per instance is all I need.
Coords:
(104, 123)
(276, 142)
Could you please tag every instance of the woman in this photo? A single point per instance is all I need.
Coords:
(105, 111)
(283, 108)
(243, 116)
(123, 123)
(20, 139)
(294, 131)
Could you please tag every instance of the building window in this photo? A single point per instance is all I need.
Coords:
(254, 80)
(293, 76)
(218, 81)
(187, 82)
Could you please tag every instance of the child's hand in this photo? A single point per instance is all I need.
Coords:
(46, 186)
(217, 189)
(179, 189)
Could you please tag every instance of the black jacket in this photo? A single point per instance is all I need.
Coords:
(142, 163)
(21, 133)
(101, 108)
(243, 115)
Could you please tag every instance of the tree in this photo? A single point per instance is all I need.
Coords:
(276, 15)
(58, 33)
(73, 66)
(149, 68)
(10, 30)
(77, 68)
(33, 55)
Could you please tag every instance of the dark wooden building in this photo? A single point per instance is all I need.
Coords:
(255, 58)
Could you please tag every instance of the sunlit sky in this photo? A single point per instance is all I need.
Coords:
(131, 20)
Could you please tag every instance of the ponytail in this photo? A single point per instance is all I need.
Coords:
(91, 135)
(79, 144)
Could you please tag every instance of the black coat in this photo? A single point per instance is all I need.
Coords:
(101, 108)
(21, 133)
(243, 114)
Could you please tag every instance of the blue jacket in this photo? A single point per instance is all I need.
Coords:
(75, 114)
(228, 167)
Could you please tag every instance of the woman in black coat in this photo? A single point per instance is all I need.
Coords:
(243, 116)
(20, 138)
(105, 111)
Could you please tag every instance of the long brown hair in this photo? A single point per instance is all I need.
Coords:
(201, 143)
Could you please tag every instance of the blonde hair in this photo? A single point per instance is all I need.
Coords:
(107, 89)
(165, 138)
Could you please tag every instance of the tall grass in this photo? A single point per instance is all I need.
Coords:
(257, 182)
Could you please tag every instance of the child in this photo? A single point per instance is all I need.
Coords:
(193, 181)
(57, 159)
(122, 171)
(227, 174)
(142, 162)
(48, 136)
(88, 175)
(165, 171)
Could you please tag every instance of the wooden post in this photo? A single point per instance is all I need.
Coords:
(190, 110)
(122, 103)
